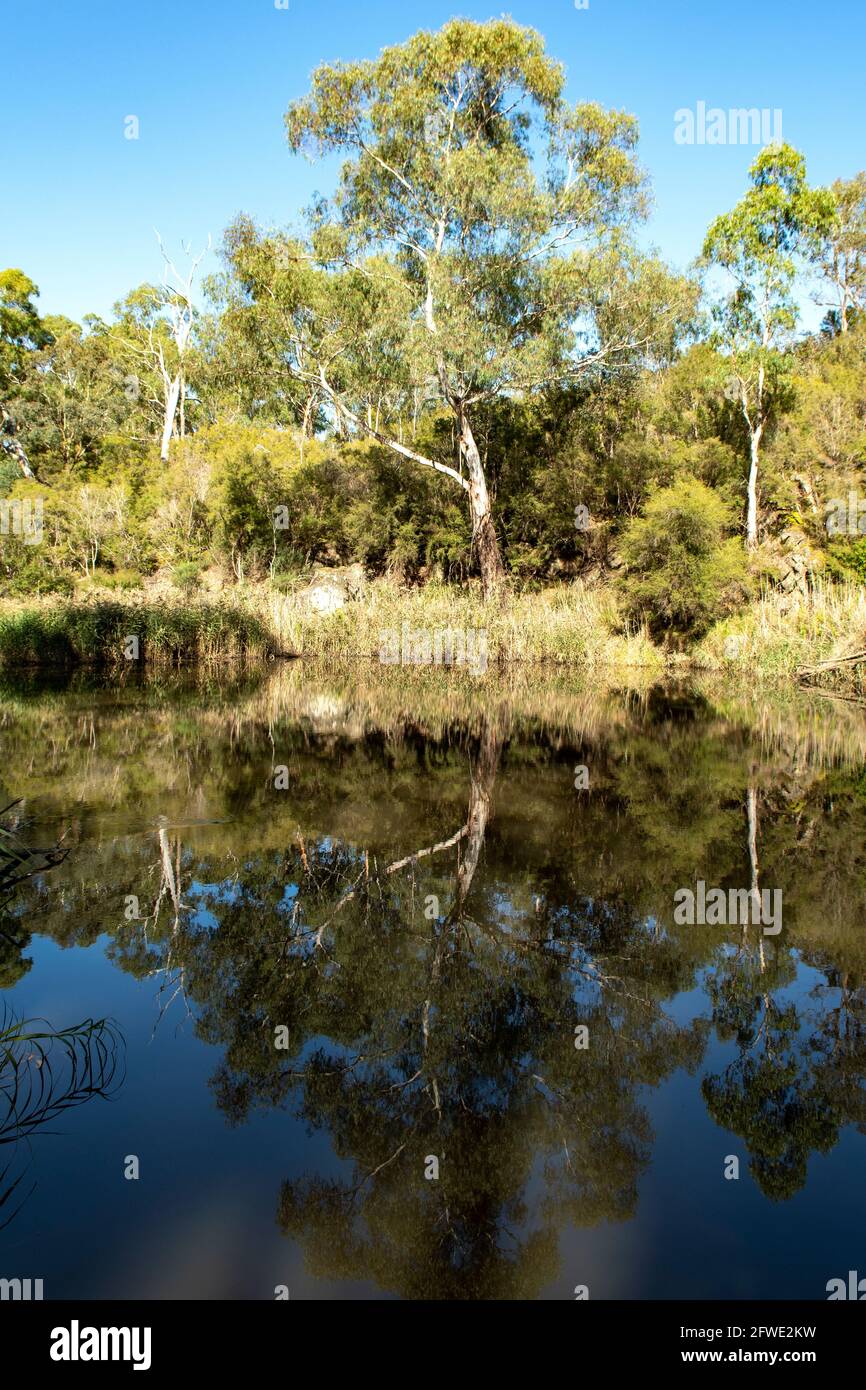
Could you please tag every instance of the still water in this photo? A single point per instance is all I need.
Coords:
(398, 1002)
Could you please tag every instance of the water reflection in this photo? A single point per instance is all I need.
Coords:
(403, 942)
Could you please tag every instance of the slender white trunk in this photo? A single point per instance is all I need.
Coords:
(11, 444)
(172, 398)
(755, 892)
(752, 818)
(752, 514)
(756, 430)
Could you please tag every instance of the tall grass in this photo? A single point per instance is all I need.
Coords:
(43, 1073)
(45, 1070)
(570, 625)
(780, 635)
(58, 633)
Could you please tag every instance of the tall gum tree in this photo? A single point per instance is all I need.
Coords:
(473, 246)
(154, 334)
(758, 245)
(22, 334)
(838, 252)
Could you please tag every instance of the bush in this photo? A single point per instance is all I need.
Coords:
(846, 560)
(116, 579)
(682, 574)
(186, 575)
(10, 474)
(34, 577)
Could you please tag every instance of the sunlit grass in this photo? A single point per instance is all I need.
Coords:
(569, 625)
(62, 633)
(781, 635)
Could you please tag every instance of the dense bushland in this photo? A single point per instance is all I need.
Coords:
(388, 388)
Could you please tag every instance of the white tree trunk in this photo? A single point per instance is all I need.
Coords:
(172, 398)
(483, 530)
(752, 513)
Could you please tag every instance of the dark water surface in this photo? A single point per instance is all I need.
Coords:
(328, 981)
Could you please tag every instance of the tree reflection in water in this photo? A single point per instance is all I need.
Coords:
(429, 916)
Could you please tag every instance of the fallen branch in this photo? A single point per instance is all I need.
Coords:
(830, 665)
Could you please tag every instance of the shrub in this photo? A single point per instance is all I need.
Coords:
(34, 577)
(846, 560)
(682, 574)
(186, 575)
(117, 579)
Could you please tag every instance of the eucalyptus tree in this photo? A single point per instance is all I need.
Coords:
(758, 245)
(178, 299)
(71, 395)
(138, 336)
(838, 251)
(22, 333)
(154, 336)
(475, 246)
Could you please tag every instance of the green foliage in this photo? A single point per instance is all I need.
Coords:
(186, 575)
(757, 245)
(21, 331)
(469, 304)
(9, 474)
(847, 559)
(33, 577)
(838, 252)
(441, 137)
(682, 573)
(96, 633)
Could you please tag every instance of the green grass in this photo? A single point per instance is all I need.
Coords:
(61, 633)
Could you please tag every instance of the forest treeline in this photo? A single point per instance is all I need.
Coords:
(459, 364)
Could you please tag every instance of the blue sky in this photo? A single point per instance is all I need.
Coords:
(209, 81)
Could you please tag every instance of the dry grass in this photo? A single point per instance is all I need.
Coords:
(568, 625)
(781, 634)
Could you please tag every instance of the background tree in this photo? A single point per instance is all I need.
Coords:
(153, 337)
(838, 252)
(71, 395)
(21, 334)
(757, 244)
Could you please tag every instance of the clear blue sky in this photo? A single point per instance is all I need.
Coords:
(210, 80)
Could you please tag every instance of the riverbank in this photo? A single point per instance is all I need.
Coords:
(817, 635)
